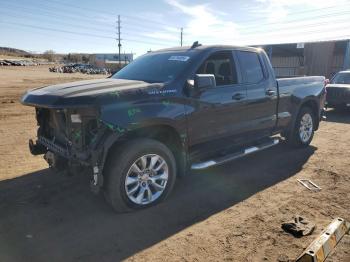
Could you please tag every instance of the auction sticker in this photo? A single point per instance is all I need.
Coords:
(179, 58)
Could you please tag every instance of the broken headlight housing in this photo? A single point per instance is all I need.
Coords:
(83, 127)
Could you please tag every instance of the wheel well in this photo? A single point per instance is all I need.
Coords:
(164, 134)
(314, 107)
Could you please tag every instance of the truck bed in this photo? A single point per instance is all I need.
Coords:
(298, 81)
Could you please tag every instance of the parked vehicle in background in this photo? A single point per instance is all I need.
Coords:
(169, 111)
(81, 68)
(338, 90)
(17, 62)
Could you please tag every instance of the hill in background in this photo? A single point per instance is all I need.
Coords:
(49, 55)
(7, 51)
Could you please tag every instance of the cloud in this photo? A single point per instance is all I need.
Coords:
(269, 22)
(203, 22)
(277, 10)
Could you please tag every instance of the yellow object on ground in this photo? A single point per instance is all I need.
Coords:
(323, 245)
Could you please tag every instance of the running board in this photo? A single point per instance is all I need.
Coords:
(232, 156)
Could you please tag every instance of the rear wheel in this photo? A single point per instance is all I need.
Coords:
(141, 174)
(303, 131)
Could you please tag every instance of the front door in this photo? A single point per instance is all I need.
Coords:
(216, 115)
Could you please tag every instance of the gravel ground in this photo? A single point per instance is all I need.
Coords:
(232, 212)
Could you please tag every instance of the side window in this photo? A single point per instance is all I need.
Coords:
(251, 66)
(221, 66)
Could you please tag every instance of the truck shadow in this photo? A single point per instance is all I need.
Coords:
(45, 216)
(338, 116)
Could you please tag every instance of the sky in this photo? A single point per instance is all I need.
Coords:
(88, 26)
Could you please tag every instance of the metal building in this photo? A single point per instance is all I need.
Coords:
(315, 58)
(110, 60)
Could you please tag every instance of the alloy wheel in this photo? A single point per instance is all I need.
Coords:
(146, 179)
(306, 128)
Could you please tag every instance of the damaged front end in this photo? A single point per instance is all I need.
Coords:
(79, 122)
(69, 138)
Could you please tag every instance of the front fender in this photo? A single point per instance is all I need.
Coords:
(127, 116)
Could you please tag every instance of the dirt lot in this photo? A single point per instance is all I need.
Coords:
(233, 212)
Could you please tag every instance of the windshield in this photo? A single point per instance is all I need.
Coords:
(157, 67)
(341, 78)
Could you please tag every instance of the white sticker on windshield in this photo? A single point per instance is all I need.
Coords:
(179, 58)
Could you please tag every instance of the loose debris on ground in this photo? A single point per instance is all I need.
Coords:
(299, 226)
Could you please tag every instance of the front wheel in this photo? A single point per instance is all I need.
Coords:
(141, 174)
(304, 128)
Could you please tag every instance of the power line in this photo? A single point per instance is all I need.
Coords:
(130, 39)
(66, 14)
(323, 39)
(55, 36)
(302, 32)
(288, 26)
(76, 19)
(79, 33)
(57, 30)
(253, 28)
(108, 12)
(161, 23)
(246, 32)
(97, 29)
(17, 15)
(247, 29)
(297, 20)
(57, 15)
(157, 22)
(298, 12)
(30, 15)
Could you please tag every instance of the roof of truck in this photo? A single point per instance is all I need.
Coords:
(208, 47)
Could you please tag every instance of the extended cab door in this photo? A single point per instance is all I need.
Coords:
(262, 96)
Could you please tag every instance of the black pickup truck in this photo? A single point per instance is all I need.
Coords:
(168, 112)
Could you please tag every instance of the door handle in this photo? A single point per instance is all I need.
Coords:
(270, 92)
(238, 96)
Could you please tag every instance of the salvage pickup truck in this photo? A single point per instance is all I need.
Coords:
(170, 111)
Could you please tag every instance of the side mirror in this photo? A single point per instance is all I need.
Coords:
(202, 81)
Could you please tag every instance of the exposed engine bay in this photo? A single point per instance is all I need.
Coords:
(65, 135)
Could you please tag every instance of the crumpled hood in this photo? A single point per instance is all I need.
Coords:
(84, 93)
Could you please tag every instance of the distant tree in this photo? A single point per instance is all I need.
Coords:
(49, 55)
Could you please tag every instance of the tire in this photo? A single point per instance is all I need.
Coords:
(304, 128)
(125, 170)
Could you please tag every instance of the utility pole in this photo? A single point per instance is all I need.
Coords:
(181, 35)
(119, 44)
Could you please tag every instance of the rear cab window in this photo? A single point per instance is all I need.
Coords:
(251, 67)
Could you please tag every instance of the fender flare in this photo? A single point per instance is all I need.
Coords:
(297, 109)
